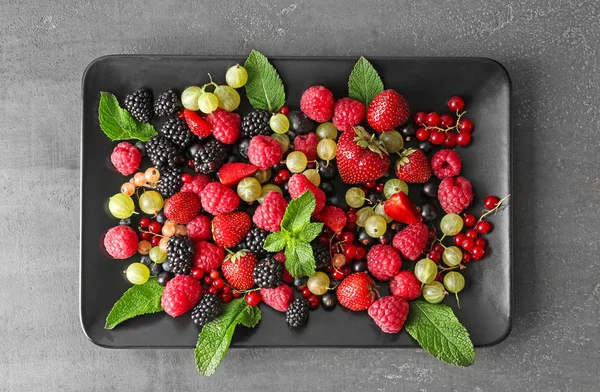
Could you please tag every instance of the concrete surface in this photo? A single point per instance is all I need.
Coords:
(551, 51)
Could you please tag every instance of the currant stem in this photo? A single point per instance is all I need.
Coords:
(493, 210)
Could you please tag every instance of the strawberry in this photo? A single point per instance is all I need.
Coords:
(413, 166)
(238, 270)
(400, 208)
(333, 217)
(361, 157)
(387, 111)
(232, 173)
(229, 229)
(182, 207)
(298, 184)
(357, 291)
(199, 126)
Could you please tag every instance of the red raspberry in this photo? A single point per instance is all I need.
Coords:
(264, 152)
(389, 313)
(208, 256)
(446, 163)
(121, 242)
(199, 228)
(182, 207)
(199, 181)
(269, 213)
(383, 262)
(317, 103)
(406, 286)
(411, 240)
(307, 144)
(226, 126)
(298, 184)
(279, 256)
(278, 298)
(126, 158)
(180, 295)
(455, 194)
(347, 112)
(218, 199)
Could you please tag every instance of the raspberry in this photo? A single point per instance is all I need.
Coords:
(208, 256)
(269, 213)
(307, 144)
(199, 181)
(199, 228)
(126, 158)
(445, 163)
(411, 240)
(406, 286)
(180, 295)
(317, 103)
(455, 194)
(389, 313)
(264, 152)
(121, 242)
(383, 262)
(298, 184)
(279, 256)
(218, 199)
(278, 298)
(347, 112)
(226, 126)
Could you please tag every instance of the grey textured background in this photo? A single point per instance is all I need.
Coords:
(551, 51)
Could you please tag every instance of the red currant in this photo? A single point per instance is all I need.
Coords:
(350, 226)
(484, 227)
(370, 184)
(313, 301)
(450, 141)
(439, 277)
(213, 290)
(419, 118)
(459, 238)
(434, 255)
(350, 251)
(456, 103)
(469, 220)
(472, 234)
(361, 252)
(186, 178)
(144, 222)
(351, 215)
(237, 294)
(191, 164)
(437, 137)
(155, 227)
(446, 120)
(207, 280)
(253, 298)
(468, 244)
(226, 289)
(439, 248)
(432, 119)
(346, 270)
(422, 134)
(481, 242)
(337, 274)
(155, 240)
(197, 273)
(465, 125)
(214, 274)
(348, 237)
(226, 297)
(467, 257)
(463, 139)
(284, 110)
(478, 252)
(284, 175)
(491, 202)
(379, 188)
(146, 236)
(306, 292)
(218, 283)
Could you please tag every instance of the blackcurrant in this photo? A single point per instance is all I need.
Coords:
(426, 147)
(359, 266)
(156, 269)
(364, 238)
(327, 187)
(299, 282)
(161, 218)
(163, 278)
(430, 189)
(386, 239)
(428, 212)
(141, 146)
(327, 172)
(407, 130)
(329, 300)
(243, 148)
(300, 123)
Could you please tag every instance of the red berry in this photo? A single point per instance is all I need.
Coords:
(491, 202)
(317, 103)
(422, 134)
(269, 214)
(406, 286)
(446, 163)
(155, 240)
(218, 283)
(432, 119)
(155, 227)
(434, 255)
(337, 274)
(384, 262)
(253, 298)
(348, 237)
(465, 125)
(207, 280)
(186, 178)
(379, 188)
(387, 111)
(213, 290)
(456, 104)
(446, 120)
(361, 252)
(182, 207)
(284, 175)
(484, 227)
(191, 164)
(478, 253)
(389, 313)
(313, 301)
(226, 297)
(370, 184)
(455, 194)
(472, 234)
(226, 289)
(144, 222)
(214, 274)
(347, 113)
(450, 141)
(463, 139)
(284, 110)
(126, 158)
(438, 248)
(419, 118)
(197, 273)
(469, 220)
(180, 295)
(467, 257)
(468, 244)
(350, 251)
(237, 294)
(437, 137)
(481, 242)
(306, 292)
(145, 236)
(459, 238)
(264, 152)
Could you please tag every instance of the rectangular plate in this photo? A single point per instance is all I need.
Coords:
(426, 82)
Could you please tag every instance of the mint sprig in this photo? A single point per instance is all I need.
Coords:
(297, 231)
(118, 124)
(264, 87)
(137, 300)
(437, 330)
(364, 82)
(215, 338)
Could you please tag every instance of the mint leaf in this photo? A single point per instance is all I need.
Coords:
(137, 300)
(299, 259)
(364, 82)
(311, 231)
(437, 330)
(276, 241)
(298, 212)
(215, 338)
(264, 87)
(118, 124)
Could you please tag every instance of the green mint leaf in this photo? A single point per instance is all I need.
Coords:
(215, 338)
(276, 241)
(137, 300)
(298, 213)
(437, 330)
(264, 87)
(118, 124)
(311, 231)
(299, 259)
(364, 82)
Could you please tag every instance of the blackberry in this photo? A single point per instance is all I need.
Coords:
(206, 310)
(180, 254)
(297, 314)
(162, 152)
(322, 256)
(170, 182)
(255, 240)
(177, 131)
(268, 273)
(139, 104)
(167, 103)
(256, 123)
(210, 157)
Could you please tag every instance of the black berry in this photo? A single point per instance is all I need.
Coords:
(180, 254)
(177, 131)
(329, 300)
(139, 104)
(162, 153)
(256, 123)
(322, 256)
(210, 157)
(255, 239)
(170, 182)
(268, 273)
(297, 314)
(167, 103)
(207, 309)
(300, 124)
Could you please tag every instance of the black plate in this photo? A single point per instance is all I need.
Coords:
(426, 82)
